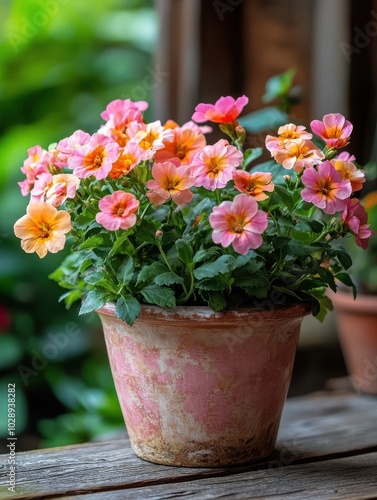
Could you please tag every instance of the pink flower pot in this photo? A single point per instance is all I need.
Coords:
(199, 388)
(357, 330)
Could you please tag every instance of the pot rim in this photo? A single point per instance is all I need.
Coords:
(363, 304)
(201, 314)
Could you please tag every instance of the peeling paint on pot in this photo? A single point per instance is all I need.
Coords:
(199, 388)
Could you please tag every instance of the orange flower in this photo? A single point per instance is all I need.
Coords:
(43, 229)
(182, 149)
(348, 170)
(254, 184)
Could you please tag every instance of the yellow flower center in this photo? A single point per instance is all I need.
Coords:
(148, 139)
(94, 159)
(45, 230)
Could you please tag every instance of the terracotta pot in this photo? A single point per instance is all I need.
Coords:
(199, 388)
(357, 330)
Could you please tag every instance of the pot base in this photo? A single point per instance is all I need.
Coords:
(210, 454)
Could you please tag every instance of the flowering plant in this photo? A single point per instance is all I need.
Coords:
(155, 215)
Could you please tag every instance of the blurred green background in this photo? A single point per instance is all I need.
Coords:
(61, 62)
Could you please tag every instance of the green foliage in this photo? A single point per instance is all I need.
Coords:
(82, 54)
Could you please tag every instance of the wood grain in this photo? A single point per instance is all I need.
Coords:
(313, 429)
(346, 478)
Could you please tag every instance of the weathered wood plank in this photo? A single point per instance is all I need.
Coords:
(345, 478)
(311, 428)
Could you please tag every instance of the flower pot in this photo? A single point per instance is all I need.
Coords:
(357, 330)
(199, 388)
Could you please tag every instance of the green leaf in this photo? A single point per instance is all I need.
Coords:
(204, 254)
(127, 309)
(315, 225)
(279, 85)
(343, 257)
(185, 253)
(159, 295)
(222, 265)
(327, 277)
(346, 280)
(216, 301)
(168, 278)
(92, 242)
(205, 205)
(94, 278)
(321, 304)
(284, 194)
(146, 232)
(148, 273)
(126, 271)
(122, 245)
(94, 300)
(71, 297)
(250, 155)
(242, 260)
(299, 249)
(215, 284)
(268, 118)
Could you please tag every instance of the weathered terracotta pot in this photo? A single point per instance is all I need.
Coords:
(357, 330)
(199, 388)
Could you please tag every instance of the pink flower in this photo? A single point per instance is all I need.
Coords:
(54, 189)
(199, 129)
(335, 130)
(325, 188)
(225, 110)
(170, 181)
(356, 218)
(348, 170)
(63, 186)
(345, 156)
(94, 158)
(213, 167)
(255, 184)
(119, 111)
(36, 163)
(297, 154)
(238, 222)
(117, 211)
(66, 146)
(119, 115)
(42, 183)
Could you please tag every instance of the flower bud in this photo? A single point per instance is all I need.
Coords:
(158, 234)
(240, 131)
(197, 220)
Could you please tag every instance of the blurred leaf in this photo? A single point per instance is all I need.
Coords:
(11, 351)
(279, 85)
(268, 118)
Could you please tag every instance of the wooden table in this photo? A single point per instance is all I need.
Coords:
(327, 448)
